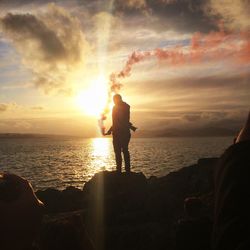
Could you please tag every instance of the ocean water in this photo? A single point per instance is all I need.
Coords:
(61, 162)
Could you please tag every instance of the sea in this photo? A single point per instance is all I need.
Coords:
(59, 162)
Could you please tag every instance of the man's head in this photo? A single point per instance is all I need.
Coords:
(117, 99)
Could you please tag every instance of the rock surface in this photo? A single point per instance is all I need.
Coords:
(129, 211)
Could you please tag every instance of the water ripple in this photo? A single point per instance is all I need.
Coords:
(62, 162)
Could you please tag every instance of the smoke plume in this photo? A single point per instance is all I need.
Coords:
(212, 47)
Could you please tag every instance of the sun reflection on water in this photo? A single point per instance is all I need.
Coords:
(101, 155)
(101, 147)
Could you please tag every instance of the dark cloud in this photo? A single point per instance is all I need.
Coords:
(51, 43)
(183, 15)
(191, 15)
(179, 15)
(18, 3)
(29, 27)
(234, 15)
(215, 101)
(215, 84)
(191, 123)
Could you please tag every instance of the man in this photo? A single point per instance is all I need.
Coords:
(121, 132)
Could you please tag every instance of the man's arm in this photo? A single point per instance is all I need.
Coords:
(109, 131)
(132, 127)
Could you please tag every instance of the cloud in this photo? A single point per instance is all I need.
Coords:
(192, 117)
(193, 15)
(188, 119)
(51, 43)
(131, 7)
(3, 107)
(22, 125)
(37, 108)
(21, 85)
(180, 15)
(7, 106)
(234, 14)
(132, 4)
(12, 106)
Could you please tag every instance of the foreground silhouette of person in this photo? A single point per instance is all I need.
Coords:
(121, 132)
(194, 230)
(231, 229)
(20, 213)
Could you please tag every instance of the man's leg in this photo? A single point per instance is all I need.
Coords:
(126, 153)
(118, 154)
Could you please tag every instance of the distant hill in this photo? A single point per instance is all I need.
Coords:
(168, 132)
(22, 136)
(188, 132)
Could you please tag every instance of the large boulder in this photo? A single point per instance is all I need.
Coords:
(117, 193)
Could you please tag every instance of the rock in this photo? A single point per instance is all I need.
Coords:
(56, 201)
(120, 192)
(129, 211)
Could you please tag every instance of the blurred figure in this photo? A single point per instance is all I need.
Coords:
(121, 132)
(232, 195)
(65, 234)
(194, 231)
(21, 213)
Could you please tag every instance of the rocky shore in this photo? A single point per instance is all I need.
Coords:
(129, 211)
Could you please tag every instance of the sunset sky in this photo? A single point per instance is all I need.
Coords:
(190, 69)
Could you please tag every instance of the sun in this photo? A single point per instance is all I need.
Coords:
(93, 99)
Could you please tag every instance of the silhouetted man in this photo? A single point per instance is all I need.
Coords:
(121, 132)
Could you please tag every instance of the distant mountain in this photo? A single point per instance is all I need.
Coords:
(22, 136)
(167, 132)
(187, 132)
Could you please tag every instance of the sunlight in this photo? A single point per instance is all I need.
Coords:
(93, 100)
(101, 147)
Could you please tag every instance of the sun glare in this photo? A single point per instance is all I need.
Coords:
(93, 99)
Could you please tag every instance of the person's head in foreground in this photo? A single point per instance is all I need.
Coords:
(21, 213)
(117, 99)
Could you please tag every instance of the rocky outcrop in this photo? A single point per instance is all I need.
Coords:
(129, 211)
